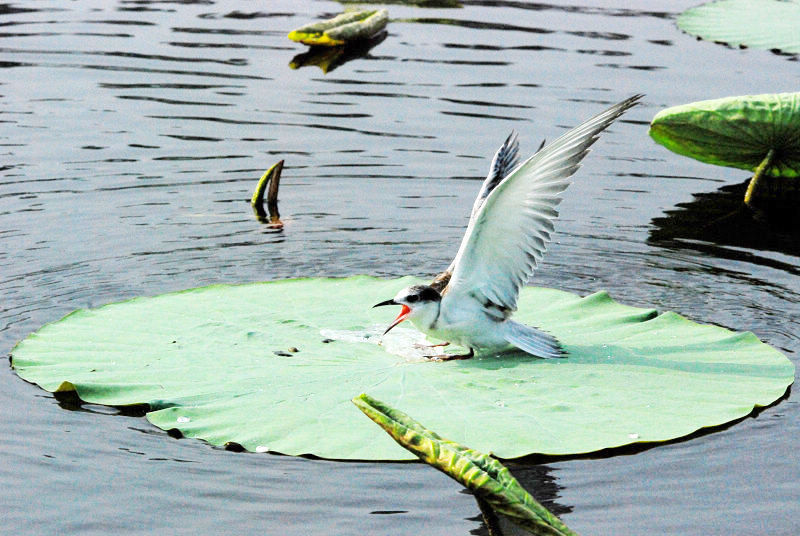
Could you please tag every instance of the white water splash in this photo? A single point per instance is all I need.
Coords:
(409, 344)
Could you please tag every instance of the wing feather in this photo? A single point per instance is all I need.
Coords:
(511, 223)
(505, 159)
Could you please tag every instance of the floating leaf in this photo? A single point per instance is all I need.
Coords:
(347, 27)
(479, 472)
(215, 363)
(736, 132)
(767, 24)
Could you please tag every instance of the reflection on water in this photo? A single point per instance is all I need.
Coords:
(714, 221)
(329, 58)
(133, 132)
(541, 482)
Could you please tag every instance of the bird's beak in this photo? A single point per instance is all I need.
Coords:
(404, 312)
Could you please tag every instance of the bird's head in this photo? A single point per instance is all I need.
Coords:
(416, 302)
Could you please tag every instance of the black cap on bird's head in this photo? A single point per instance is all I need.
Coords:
(407, 299)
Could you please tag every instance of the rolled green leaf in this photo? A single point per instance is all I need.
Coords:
(266, 179)
(342, 29)
(269, 182)
(736, 132)
(764, 24)
(483, 475)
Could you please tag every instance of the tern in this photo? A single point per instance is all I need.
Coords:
(471, 303)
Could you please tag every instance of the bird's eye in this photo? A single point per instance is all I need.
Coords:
(412, 298)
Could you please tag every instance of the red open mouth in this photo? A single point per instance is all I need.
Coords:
(404, 312)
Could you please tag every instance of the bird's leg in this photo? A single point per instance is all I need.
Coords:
(450, 357)
(431, 345)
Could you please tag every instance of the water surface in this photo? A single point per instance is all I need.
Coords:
(133, 132)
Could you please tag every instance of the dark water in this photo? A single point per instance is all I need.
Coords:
(132, 134)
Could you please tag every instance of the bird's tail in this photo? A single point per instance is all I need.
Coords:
(532, 340)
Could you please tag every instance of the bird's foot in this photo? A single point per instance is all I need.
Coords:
(423, 346)
(450, 357)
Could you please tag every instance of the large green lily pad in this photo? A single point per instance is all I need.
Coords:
(737, 132)
(217, 363)
(765, 24)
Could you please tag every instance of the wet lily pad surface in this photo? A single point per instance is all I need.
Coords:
(273, 366)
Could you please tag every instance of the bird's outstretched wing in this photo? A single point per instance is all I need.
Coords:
(505, 159)
(507, 237)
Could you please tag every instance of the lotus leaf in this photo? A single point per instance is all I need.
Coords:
(737, 132)
(345, 28)
(273, 366)
(766, 24)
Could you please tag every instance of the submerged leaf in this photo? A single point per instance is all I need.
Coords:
(736, 132)
(212, 362)
(766, 24)
(479, 472)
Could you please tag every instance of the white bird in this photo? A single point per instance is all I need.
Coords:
(470, 303)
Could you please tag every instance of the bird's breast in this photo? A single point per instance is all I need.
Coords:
(467, 323)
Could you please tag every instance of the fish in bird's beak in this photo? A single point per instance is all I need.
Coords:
(404, 312)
